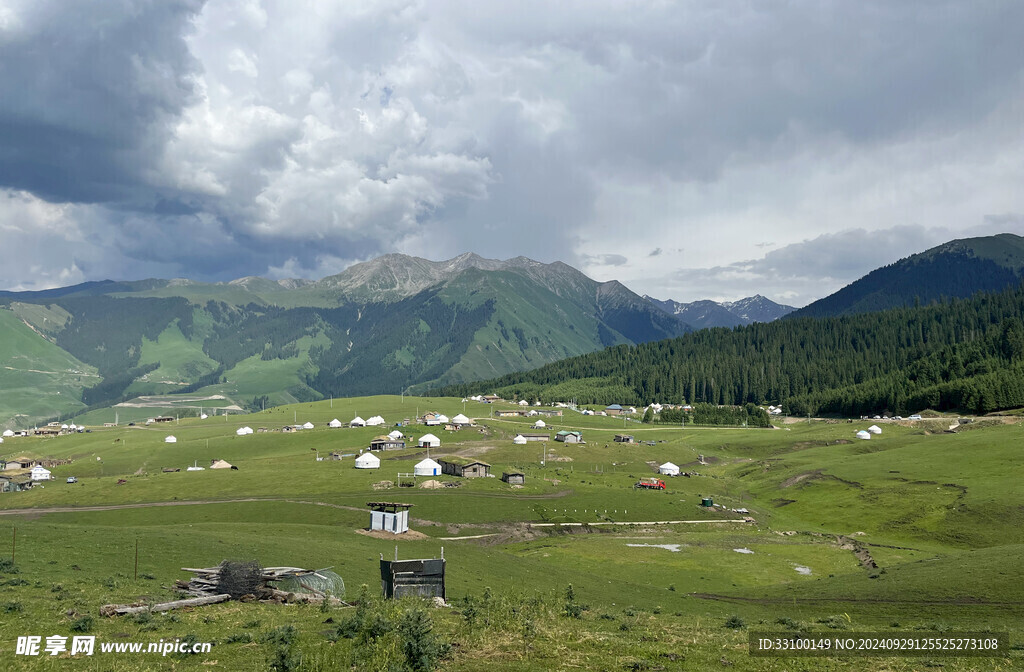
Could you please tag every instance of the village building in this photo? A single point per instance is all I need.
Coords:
(536, 437)
(465, 467)
(15, 482)
(514, 477)
(390, 517)
(40, 473)
(416, 578)
(491, 398)
(624, 438)
(550, 412)
(566, 436)
(20, 463)
(47, 431)
(385, 442)
(614, 409)
(507, 413)
(367, 461)
(427, 467)
(163, 418)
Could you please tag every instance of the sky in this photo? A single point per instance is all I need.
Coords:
(690, 150)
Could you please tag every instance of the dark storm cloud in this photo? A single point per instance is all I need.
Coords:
(89, 91)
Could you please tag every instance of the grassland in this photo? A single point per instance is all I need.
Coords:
(938, 514)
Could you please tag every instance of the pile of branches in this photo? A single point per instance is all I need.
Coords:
(247, 582)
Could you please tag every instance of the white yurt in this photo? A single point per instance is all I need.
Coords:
(443, 419)
(367, 461)
(519, 439)
(429, 441)
(171, 439)
(242, 431)
(8, 432)
(395, 435)
(1, 440)
(375, 421)
(668, 469)
(40, 473)
(334, 423)
(460, 419)
(875, 429)
(307, 425)
(203, 416)
(357, 422)
(540, 424)
(863, 435)
(64, 427)
(427, 467)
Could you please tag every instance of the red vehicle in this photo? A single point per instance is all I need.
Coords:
(650, 484)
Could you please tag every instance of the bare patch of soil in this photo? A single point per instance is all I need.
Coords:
(381, 534)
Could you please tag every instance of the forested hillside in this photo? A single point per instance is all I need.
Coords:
(957, 269)
(959, 354)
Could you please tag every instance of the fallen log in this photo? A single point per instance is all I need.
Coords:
(122, 609)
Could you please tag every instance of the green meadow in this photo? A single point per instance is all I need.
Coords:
(915, 530)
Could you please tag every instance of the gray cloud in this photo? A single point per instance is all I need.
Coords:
(238, 137)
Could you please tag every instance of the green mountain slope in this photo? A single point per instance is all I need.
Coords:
(958, 268)
(382, 326)
(37, 378)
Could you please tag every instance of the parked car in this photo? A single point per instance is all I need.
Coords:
(914, 417)
(72, 479)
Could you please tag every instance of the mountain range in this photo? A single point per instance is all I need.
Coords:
(386, 325)
(400, 323)
(706, 314)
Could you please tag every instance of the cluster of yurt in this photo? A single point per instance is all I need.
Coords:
(865, 434)
(375, 421)
(243, 431)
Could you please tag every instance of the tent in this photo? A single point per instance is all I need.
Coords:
(668, 469)
(375, 421)
(429, 441)
(334, 423)
(395, 435)
(8, 432)
(540, 424)
(171, 439)
(308, 425)
(357, 422)
(863, 435)
(875, 429)
(460, 419)
(519, 439)
(242, 431)
(219, 464)
(367, 461)
(427, 467)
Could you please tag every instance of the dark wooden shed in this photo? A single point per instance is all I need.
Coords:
(423, 578)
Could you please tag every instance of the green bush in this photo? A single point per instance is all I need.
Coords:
(83, 624)
(734, 622)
